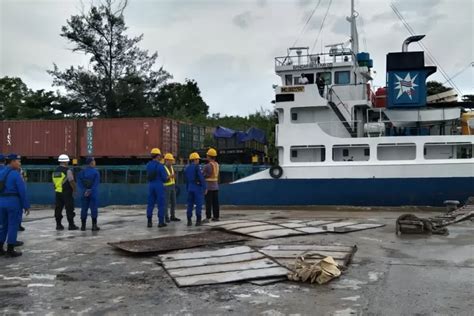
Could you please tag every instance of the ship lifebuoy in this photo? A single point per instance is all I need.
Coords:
(276, 172)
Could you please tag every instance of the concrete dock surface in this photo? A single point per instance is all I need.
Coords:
(74, 272)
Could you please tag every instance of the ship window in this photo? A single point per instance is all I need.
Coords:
(285, 97)
(294, 116)
(354, 152)
(400, 151)
(316, 153)
(326, 76)
(288, 80)
(342, 77)
(448, 150)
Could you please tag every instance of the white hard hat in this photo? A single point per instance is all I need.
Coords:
(63, 158)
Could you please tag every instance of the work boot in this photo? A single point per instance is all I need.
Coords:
(198, 221)
(175, 219)
(11, 253)
(19, 243)
(167, 219)
(59, 226)
(150, 224)
(83, 225)
(21, 228)
(94, 225)
(2, 251)
(205, 221)
(215, 219)
(190, 222)
(72, 226)
(162, 225)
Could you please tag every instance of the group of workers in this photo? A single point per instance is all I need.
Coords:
(200, 185)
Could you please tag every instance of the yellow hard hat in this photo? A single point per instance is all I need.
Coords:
(155, 151)
(212, 152)
(169, 156)
(194, 156)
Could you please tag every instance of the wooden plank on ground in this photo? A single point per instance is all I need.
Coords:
(254, 229)
(309, 247)
(207, 254)
(242, 225)
(356, 227)
(292, 225)
(225, 222)
(331, 227)
(173, 264)
(277, 254)
(312, 230)
(275, 233)
(319, 223)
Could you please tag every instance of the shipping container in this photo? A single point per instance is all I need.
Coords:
(126, 138)
(191, 138)
(39, 139)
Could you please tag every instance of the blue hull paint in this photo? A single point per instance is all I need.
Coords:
(356, 192)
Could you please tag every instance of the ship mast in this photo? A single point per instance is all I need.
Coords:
(354, 33)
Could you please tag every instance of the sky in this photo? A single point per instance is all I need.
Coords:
(229, 46)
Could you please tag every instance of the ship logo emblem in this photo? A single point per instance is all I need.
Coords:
(406, 85)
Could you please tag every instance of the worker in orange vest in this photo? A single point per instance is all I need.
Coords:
(211, 174)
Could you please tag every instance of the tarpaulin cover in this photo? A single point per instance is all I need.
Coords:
(251, 134)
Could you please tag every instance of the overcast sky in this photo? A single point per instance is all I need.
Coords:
(229, 46)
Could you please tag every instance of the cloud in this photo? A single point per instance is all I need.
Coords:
(244, 20)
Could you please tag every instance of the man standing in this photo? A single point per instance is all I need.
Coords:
(64, 186)
(196, 188)
(170, 190)
(321, 83)
(12, 201)
(88, 182)
(156, 175)
(211, 173)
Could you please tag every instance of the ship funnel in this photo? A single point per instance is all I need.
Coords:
(411, 39)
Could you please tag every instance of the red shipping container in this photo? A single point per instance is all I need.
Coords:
(175, 138)
(39, 138)
(124, 138)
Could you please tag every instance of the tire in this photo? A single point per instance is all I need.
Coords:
(276, 172)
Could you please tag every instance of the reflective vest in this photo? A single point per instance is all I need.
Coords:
(214, 176)
(59, 179)
(171, 181)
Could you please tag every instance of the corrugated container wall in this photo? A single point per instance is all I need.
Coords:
(39, 139)
(170, 137)
(123, 138)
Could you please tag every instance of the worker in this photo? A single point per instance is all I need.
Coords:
(65, 187)
(196, 187)
(156, 175)
(211, 174)
(12, 201)
(170, 189)
(20, 215)
(321, 83)
(303, 79)
(88, 183)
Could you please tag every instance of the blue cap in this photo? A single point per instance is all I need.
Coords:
(13, 157)
(89, 160)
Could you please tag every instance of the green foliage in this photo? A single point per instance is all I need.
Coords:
(434, 87)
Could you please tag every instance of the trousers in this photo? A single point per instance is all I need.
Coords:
(86, 203)
(194, 198)
(156, 196)
(212, 204)
(9, 224)
(64, 200)
(170, 196)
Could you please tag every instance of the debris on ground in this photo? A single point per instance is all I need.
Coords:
(321, 272)
(220, 266)
(165, 244)
(276, 228)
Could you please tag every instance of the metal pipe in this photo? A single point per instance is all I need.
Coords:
(409, 40)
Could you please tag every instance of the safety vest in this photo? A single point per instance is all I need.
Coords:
(214, 177)
(171, 181)
(59, 179)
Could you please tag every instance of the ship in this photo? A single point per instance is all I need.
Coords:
(341, 143)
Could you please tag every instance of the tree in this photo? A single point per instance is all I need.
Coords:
(181, 101)
(468, 98)
(13, 92)
(434, 87)
(121, 79)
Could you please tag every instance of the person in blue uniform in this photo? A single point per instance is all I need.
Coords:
(20, 219)
(12, 201)
(196, 187)
(88, 182)
(157, 176)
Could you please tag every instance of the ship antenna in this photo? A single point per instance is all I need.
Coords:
(354, 33)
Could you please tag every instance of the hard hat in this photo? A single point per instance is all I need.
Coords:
(155, 151)
(169, 156)
(212, 152)
(63, 158)
(194, 156)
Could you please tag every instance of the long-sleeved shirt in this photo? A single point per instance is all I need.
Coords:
(15, 187)
(88, 180)
(156, 172)
(194, 178)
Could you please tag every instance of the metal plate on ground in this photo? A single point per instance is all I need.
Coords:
(220, 266)
(287, 254)
(278, 228)
(165, 244)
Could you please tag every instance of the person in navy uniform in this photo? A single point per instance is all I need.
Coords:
(88, 182)
(13, 200)
(196, 187)
(157, 176)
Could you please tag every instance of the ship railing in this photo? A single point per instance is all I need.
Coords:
(316, 60)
